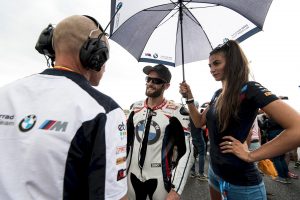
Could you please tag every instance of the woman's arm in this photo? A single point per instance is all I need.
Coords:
(198, 119)
(289, 139)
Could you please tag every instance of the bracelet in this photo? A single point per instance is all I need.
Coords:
(188, 101)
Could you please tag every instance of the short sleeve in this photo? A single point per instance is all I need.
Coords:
(260, 95)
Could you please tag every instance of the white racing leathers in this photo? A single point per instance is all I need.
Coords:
(159, 150)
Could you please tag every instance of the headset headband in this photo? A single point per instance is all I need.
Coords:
(95, 21)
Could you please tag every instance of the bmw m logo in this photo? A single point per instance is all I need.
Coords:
(27, 123)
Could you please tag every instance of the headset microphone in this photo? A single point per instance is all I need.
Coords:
(113, 17)
(93, 53)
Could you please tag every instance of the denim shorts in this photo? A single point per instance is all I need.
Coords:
(236, 192)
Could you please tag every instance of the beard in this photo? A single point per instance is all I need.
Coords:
(156, 93)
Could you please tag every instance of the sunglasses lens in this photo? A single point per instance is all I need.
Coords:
(154, 80)
(157, 81)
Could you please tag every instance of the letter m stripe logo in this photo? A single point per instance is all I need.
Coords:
(54, 125)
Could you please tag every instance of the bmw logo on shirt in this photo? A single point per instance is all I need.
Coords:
(27, 123)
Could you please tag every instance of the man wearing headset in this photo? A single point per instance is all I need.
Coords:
(159, 142)
(59, 137)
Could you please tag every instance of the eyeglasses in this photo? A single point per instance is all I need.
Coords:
(157, 81)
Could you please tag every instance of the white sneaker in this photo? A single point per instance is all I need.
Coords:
(194, 174)
(202, 177)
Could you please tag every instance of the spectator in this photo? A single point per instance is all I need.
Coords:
(273, 130)
(254, 137)
(199, 150)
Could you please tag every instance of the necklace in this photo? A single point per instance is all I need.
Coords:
(63, 68)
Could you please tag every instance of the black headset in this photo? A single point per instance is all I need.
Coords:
(93, 53)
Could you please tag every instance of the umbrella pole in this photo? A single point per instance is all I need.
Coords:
(181, 31)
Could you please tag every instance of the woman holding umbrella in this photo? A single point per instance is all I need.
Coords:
(229, 117)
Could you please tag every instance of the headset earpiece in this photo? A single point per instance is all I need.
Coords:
(93, 53)
(44, 43)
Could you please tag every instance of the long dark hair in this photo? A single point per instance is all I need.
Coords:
(236, 74)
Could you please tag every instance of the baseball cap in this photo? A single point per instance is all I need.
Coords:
(162, 71)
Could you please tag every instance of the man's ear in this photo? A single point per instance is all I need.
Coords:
(166, 85)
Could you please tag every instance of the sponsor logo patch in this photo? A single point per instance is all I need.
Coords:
(123, 134)
(27, 123)
(121, 174)
(121, 160)
(166, 57)
(123, 131)
(7, 120)
(121, 127)
(121, 149)
(6, 123)
(240, 31)
(8, 117)
(54, 125)
(154, 132)
(155, 165)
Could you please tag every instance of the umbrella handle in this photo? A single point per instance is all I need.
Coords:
(183, 76)
(181, 33)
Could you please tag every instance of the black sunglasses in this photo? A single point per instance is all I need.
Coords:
(157, 81)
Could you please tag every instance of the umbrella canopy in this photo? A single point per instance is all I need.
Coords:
(183, 31)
